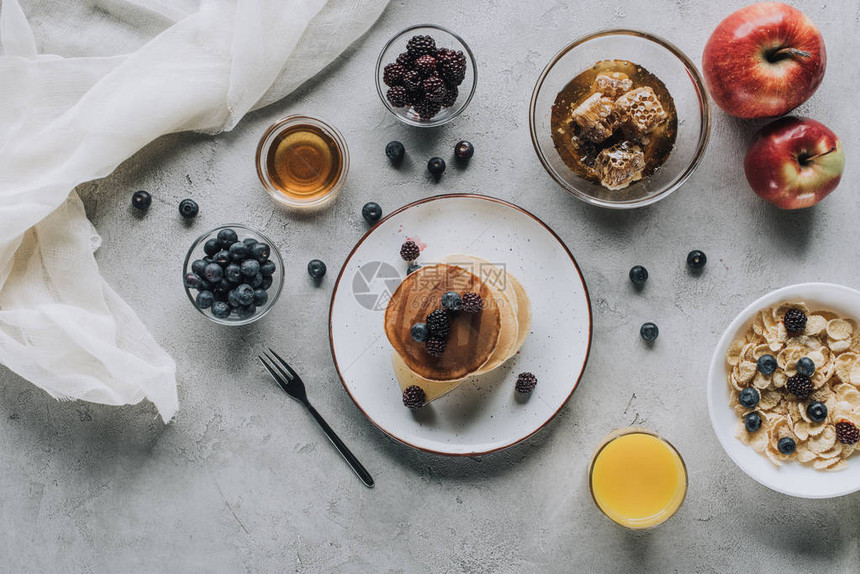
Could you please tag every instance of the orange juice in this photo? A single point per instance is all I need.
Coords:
(637, 479)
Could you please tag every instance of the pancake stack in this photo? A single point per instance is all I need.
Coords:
(477, 343)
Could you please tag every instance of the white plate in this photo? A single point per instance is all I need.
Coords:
(481, 415)
(792, 478)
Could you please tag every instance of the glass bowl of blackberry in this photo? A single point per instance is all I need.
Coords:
(426, 75)
(233, 274)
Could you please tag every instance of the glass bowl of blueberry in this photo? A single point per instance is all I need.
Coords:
(426, 75)
(233, 274)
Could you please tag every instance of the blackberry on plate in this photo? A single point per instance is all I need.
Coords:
(847, 433)
(409, 251)
(752, 422)
(786, 445)
(795, 321)
(452, 301)
(638, 275)
(526, 383)
(426, 109)
(435, 346)
(371, 212)
(425, 65)
(420, 45)
(397, 96)
(472, 303)
(392, 75)
(749, 397)
(766, 364)
(395, 151)
(434, 90)
(800, 386)
(141, 200)
(436, 166)
(438, 324)
(817, 411)
(451, 95)
(464, 150)
(414, 397)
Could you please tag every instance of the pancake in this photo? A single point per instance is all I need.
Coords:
(473, 337)
(524, 313)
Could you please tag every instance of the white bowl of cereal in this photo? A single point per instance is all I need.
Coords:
(823, 459)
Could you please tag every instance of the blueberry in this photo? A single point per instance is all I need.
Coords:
(249, 241)
(233, 273)
(246, 311)
(256, 281)
(222, 286)
(141, 200)
(749, 397)
(211, 247)
(752, 422)
(260, 297)
(436, 166)
(239, 251)
(250, 267)
(696, 260)
(816, 411)
(220, 309)
(413, 267)
(198, 265)
(420, 332)
(244, 294)
(193, 280)
(649, 332)
(222, 258)
(316, 269)
(261, 252)
(227, 237)
(267, 282)
(464, 150)
(452, 301)
(371, 212)
(786, 445)
(806, 366)
(766, 364)
(188, 208)
(267, 269)
(231, 298)
(395, 151)
(205, 299)
(213, 273)
(638, 275)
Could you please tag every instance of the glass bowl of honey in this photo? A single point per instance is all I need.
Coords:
(620, 118)
(302, 161)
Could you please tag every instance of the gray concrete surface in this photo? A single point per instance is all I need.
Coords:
(243, 480)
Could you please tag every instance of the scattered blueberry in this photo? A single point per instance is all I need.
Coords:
(420, 332)
(766, 364)
(261, 252)
(213, 273)
(638, 275)
(192, 280)
(696, 260)
(188, 208)
(205, 299)
(371, 212)
(749, 397)
(250, 267)
(817, 411)
(316, 269)
(267, 269)
(141, 200)
(239, 251)
(436, 166)
(233, 273)
(413, 267)
(649, 332)
(452, 301)
(260, 297)
(806, 366)
(211, 247)
(221, 309)
(227, 237)
(464, 150)
(246, 311)
(222, 258)
(786, 445)
(198, 266)
(752, 422)
(395, 151)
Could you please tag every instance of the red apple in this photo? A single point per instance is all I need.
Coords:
(794, 162)
(764, 60)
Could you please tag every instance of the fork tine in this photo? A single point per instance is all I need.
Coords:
(277, 364)
(284, 363)
(272, 372)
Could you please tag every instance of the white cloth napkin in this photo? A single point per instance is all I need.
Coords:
(64, 121)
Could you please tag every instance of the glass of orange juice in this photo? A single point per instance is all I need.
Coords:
(637, 478)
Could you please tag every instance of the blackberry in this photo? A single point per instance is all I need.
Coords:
(397, 96)
(412, 81)
(426, 109)
(472, 303)
(451, 95)
(392, 75)
(409, 251)
(526, 383)
(425, 65)
(438, 323)
(414, 397)
(847, 433)
(420, 45)
(434, 89)
(800, 386)
(403, 59)
(795, 321)
(435, 346)
(452, 66)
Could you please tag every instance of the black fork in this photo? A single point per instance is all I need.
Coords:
(292, 384)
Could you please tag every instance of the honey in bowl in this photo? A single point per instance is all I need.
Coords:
(637, 479)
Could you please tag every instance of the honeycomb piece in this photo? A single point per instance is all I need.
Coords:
(596, 118)
(612, 85)
(620, 165)
(640, 111)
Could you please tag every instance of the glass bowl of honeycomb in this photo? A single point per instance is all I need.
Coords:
(620, 118)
